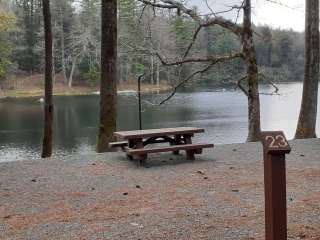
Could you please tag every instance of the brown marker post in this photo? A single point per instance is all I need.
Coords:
(275, 147)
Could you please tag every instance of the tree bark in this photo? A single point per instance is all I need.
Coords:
(169, 75)
(108, 84)
(306, 127)
(252, 76)
(63, 60)
(70, 81)
(151, 69)
(73, 68)
(48, 108)
(157, 74)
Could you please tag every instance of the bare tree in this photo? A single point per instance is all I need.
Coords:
(308, 113)
(108, 85)
(247, 53)
(48, 108)
(62, 40)
(252, 75)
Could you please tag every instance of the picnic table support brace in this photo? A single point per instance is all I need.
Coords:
(188, 140)
(130, 145)
(142, 157)
(177, 141)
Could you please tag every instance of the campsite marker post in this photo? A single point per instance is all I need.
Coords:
(275, 147)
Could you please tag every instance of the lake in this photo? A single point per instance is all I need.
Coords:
(223, 114)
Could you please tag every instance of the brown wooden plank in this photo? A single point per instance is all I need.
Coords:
(158, 132)
(168, 148)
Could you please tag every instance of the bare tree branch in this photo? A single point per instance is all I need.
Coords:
(222, 22)
(142, 12)
(241, 87)
(270, 82)
(238, 12)
(210, 59)
(234, 28)
(208, 6)
(203, 22)
(180, 84)
(280, 3)
(195, 35)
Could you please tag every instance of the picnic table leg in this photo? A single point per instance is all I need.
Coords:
(143, 157)
(131, 145)
(190, 153)
(177, 140)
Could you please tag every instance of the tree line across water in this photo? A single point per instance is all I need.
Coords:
(77, 44)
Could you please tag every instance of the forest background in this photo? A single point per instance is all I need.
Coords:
(77, 42)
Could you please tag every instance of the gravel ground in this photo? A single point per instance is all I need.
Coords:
(218, 196)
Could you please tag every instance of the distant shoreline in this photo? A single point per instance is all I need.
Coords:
(78, 91)
(60, 89)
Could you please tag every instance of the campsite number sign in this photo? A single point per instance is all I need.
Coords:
(275, 142)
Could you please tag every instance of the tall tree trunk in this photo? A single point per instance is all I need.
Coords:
(269, 53)
(151, 69)
(73, 68)
(157, 74)
(70, 81)
(252, 75)
(168, 75)
(53, 63)
(63, 59)
(108, 85)
(121, 72)
(48, 108)
(150, 47)
(306, 127)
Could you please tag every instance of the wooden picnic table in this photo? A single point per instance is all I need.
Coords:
(178, 138)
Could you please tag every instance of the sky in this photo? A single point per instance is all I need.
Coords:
(288, 14)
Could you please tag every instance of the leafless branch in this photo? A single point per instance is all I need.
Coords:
(210, 59)
(202, 22)
(142, 12)
(238, 12)
(241, 87)
(278, 2)
(208, 6)
(180, 84)
(222, 22)
(195, 35)
(270, 82)
(234, 28)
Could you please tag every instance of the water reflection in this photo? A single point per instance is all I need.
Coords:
(222, 114)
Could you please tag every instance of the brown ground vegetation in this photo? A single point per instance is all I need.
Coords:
(33, 86)
(218, 196)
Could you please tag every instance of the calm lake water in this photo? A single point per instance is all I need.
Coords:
(222, 113)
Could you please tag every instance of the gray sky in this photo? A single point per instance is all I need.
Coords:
(289, 15)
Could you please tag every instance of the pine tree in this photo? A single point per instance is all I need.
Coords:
(29, 19)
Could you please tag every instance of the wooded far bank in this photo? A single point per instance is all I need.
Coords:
(77, 43)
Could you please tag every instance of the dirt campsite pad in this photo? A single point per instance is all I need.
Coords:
(218, 196)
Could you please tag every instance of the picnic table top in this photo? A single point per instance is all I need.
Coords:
(157, 132)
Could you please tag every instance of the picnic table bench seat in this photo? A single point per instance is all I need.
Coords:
(190, 149)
